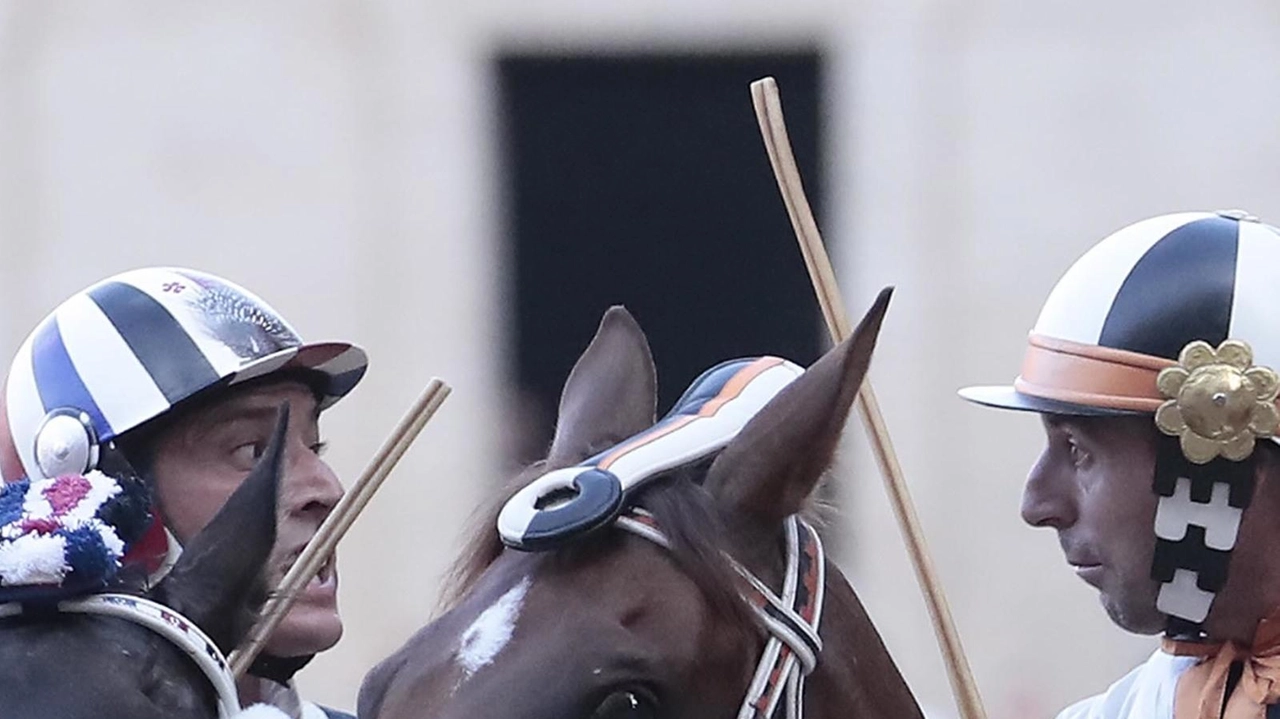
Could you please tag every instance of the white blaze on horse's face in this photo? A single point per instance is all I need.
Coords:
(490, 633)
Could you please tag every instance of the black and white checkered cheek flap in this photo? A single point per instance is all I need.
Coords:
(569, 502)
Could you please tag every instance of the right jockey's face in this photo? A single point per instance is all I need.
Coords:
(1092, 484)
(200, 459)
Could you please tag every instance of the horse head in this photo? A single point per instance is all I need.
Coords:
(62, 660)
(643, 624)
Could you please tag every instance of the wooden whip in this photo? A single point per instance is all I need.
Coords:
(768, 107)
(337, 523)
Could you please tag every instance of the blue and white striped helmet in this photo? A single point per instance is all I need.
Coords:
(133, 346)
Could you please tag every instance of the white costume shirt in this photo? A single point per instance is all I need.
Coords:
(1147, 692)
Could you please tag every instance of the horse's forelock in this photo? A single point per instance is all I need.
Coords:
(699, 541)
(684, 510)
(483, 545)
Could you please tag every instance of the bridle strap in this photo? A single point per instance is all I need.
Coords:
(166, 622)
(791, 619)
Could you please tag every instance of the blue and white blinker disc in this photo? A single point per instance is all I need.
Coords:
(567, 503)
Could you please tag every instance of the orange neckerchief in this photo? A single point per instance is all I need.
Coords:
(1201, 688)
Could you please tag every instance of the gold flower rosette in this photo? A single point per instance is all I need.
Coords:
(1218, 402)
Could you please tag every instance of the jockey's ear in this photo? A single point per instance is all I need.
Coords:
(219, 582)
(611, 394)
(768, 471)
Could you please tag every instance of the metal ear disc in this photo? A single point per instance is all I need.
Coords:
(66, 443)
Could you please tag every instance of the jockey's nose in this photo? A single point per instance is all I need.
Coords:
(1047, 498)
(310, 487)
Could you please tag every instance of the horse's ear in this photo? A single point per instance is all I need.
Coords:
(219, 582)
(611, 394)
(768, 471)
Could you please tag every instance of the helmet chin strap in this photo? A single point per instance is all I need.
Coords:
(1197, 521)
(278, 669)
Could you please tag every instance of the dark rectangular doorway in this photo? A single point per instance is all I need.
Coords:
(642, 180)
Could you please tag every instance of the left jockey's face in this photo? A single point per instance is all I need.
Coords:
(202, 457)
(1092, 484)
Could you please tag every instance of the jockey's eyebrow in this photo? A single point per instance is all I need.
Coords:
(249, 407)
(1069, 423)
(232, 414)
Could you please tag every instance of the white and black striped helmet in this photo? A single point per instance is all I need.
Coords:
(1127, 308)
(135, 345)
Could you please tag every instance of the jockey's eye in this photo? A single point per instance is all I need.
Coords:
(629, 704)
(247, 454)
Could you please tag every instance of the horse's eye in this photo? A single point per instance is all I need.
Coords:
(626, 705)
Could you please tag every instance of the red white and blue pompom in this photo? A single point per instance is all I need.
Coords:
(66, 536)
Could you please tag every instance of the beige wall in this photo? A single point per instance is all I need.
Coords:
(337, 158)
